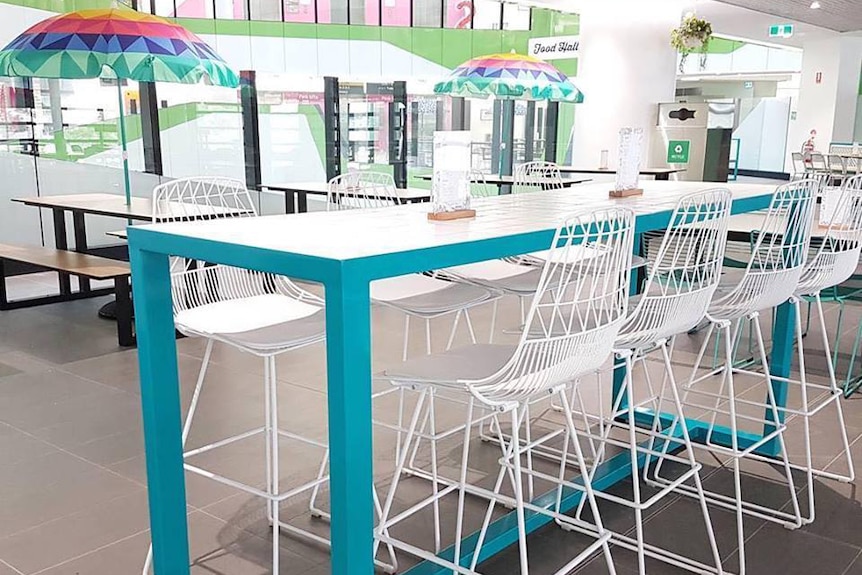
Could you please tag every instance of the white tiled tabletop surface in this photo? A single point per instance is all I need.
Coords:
(346, 235)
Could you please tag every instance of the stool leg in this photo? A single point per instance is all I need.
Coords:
(273, 439)
(833, 384)
(734, 440)
(689, 449)
(519, 492)
(587, 475)
(806, 418)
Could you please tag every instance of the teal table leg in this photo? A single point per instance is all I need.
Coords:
(779, 365)
(348, 359)
(160, 402)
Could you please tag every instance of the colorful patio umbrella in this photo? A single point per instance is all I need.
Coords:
(114, 43)
(510, 76)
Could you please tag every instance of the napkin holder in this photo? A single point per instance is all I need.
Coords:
(450, 184)
(628, 171)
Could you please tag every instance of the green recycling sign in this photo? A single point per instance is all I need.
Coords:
(677, 151)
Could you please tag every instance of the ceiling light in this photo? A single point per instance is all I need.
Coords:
(815, 5)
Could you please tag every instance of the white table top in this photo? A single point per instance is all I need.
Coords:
(346, 235)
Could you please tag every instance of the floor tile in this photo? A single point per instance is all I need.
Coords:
(63, 539)
(774, 549)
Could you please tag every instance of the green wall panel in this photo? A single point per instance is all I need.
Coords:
(457, 48)
(333, 31)
(233, 27)
(428, 43)
(364, 33)
(198, 25)
(266, 29)
(487, 42)
(299, 30)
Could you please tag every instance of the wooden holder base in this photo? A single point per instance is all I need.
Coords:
(456, 215)
(625, 193)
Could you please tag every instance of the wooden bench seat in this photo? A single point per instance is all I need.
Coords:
(77, 264)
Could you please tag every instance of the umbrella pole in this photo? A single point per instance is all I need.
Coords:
(125, 153)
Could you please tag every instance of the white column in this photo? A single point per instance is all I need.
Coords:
(626, 67)
(828, 92)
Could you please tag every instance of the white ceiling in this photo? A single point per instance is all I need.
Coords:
(729, 19)
(838, 15)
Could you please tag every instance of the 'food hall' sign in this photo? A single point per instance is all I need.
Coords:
(555, 47)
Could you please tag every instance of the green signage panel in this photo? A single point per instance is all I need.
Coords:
(781, 31)
(677, 151)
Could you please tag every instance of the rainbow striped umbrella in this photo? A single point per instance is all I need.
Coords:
(114, 43)
(512, 76)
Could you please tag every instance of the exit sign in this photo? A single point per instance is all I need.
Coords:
(781, 31)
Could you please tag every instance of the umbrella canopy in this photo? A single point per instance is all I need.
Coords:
(114, 42)
(512, 76)
(133, 45)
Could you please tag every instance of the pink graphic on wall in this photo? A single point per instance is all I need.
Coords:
(396, 12)
(459, 13)
(372, 12)
(324, 12)
(299, 10)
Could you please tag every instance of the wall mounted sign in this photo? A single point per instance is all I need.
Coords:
(555, 47)
(781, 31)
(678, 151)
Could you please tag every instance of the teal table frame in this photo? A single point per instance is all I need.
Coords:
(348, 347)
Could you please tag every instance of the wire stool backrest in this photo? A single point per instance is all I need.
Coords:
(778, 254)
(534, 176)
(818, 162)
(577, 310)
(837, 253)
(480, 188)
(836, 164)
(361, 190)
(194, 283)
(685, 273)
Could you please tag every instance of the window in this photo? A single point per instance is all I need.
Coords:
(396, 12)
(459, 13)
(365, 12)
(195, 8)
(332, 11)
(487, 14)
(516, 17)
(230, 9)
(299, 10)
(428, 13)
(164, 7)
(265, 10)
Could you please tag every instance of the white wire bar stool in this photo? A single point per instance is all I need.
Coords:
(834, 261)
(535, 176)
(683, 277)
(507, 276)
(771, 277)
(573, 319)
(424, 296)
(800, 169)
(261, 314)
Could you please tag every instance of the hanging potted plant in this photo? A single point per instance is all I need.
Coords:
(693, 35)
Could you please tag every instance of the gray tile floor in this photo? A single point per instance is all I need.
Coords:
(73, 488)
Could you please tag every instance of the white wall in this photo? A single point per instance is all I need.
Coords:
(829, 106)
(626, 68)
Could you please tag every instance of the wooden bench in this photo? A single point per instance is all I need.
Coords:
(77, 264)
